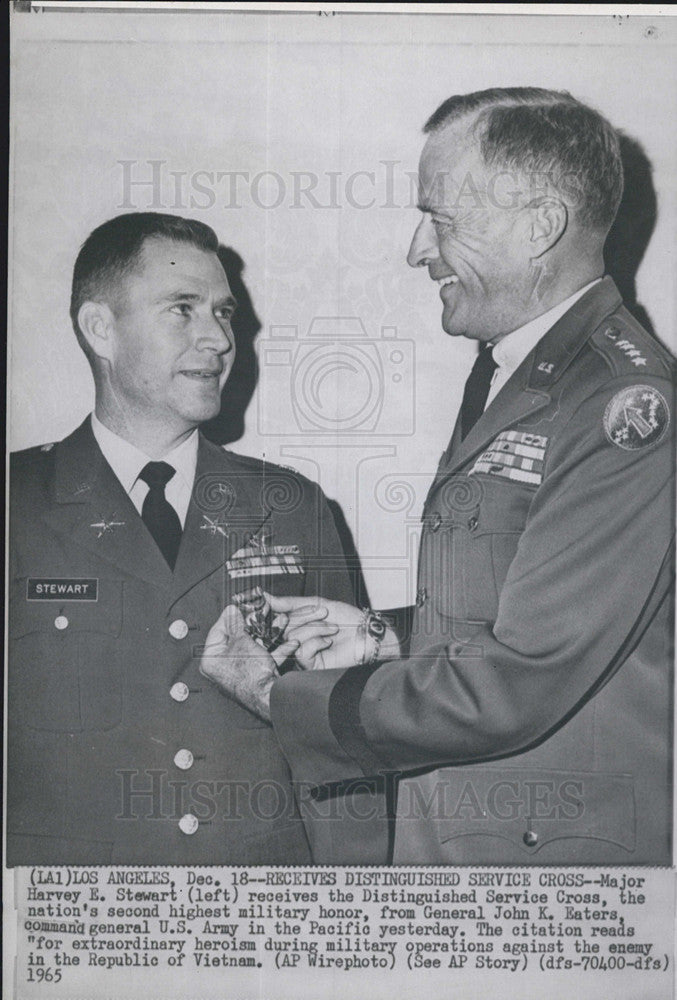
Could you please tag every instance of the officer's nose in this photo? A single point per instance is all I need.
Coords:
(423, 247)
(215, 334)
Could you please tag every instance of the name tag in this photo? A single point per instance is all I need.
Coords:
(62, 589)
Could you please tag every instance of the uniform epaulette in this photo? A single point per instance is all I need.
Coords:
(36, 452)
(261, 465)
(629, 349)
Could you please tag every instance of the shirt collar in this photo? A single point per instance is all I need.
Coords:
(511, 350)
(127, 461)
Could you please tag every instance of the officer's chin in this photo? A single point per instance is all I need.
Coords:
(452, 327)
(194, 416)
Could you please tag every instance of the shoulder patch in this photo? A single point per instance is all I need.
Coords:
(637, 417)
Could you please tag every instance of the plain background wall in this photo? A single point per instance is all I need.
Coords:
(358, 385)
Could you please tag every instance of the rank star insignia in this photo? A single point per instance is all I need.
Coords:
(214, 526)
(105, 527)
(636, 417)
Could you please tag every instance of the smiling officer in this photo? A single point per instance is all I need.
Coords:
(127, 539)
(530, 715)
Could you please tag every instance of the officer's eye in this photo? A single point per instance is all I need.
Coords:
(225, 314)
(181, 308)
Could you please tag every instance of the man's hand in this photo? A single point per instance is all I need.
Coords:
(239, 666)
(329, 634)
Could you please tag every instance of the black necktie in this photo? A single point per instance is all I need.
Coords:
(477, 389)
(158, 514)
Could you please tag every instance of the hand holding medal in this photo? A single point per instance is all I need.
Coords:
(261, 623)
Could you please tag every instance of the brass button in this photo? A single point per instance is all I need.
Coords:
(61, 622)
(421, 597)
(188, 824)
(178, 629)
(473, 523)
(530, 838)
(179, 691)
(183, 759)
(611, 332)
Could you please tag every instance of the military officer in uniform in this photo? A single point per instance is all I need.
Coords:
(127, 540)
(527, 720)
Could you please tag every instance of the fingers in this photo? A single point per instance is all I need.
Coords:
(229, 623)
(283, 652)
(233, 622)
(310, 614)
(309, 655)
(216, 641)
(214, 649)
(311, 630)
(294, 604)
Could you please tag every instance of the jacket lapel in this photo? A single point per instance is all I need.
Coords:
(529, 389)
(226, 508)
(94, 511)
(514, 402)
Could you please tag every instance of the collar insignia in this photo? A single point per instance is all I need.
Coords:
(104, 526)
(214, 526)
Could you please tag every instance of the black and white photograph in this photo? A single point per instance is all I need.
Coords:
(341, 501)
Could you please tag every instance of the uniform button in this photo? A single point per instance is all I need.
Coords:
(184, 759)
(530, 838)
(188, 824)
(472, 523)
(435, 521)
(61, 622)
(611, 332)
(179, 691)
(178, 629)
(421, 597)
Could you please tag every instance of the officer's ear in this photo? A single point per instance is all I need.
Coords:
(548, 222)
(97, 324)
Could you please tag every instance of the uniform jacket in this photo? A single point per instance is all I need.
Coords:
(532, 717)
(120, 751)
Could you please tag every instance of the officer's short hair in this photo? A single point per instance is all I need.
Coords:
(113, 249)
(537, 133)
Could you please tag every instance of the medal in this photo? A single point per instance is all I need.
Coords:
(258, 618)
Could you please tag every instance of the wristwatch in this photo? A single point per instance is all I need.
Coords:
(374, 626)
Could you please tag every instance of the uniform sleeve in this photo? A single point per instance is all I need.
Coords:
(588, 574)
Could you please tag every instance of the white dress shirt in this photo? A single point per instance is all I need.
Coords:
(127, 461)
(511, 350)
